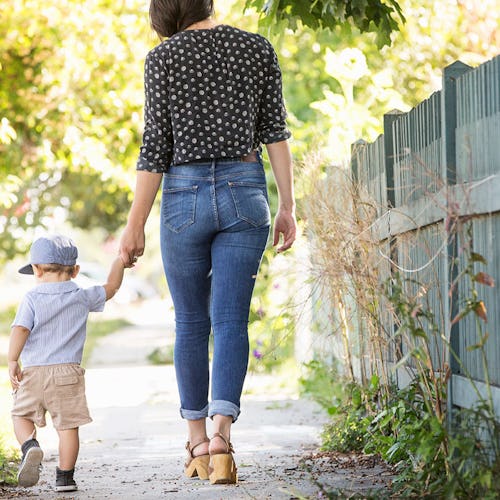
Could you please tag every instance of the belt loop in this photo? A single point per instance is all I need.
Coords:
(212, 167)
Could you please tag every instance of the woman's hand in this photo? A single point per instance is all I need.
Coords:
(132, 244)
(285, 224)
(133, 239)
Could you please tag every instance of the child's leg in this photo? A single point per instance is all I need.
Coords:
(69, 445)
(24, 429)
(29, 469)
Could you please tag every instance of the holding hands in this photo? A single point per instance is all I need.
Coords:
(131, 245)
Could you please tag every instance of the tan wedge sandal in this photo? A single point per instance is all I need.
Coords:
(222, 469)
(196, 466)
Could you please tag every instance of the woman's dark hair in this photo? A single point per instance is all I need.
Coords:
(168, 17)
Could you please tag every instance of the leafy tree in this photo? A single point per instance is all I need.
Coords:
(338, 84)
(366, 15)
(71, 112)
(71, 92)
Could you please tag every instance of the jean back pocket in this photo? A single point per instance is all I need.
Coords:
(179, 207)
(250, 200)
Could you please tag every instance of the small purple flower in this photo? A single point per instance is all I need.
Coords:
(257, 354)
(259, 342)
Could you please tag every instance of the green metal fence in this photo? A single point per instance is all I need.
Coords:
(439, 160)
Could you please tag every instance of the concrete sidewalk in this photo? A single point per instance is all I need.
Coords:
(135, 446)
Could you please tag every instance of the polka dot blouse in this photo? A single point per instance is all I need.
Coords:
(210, 93)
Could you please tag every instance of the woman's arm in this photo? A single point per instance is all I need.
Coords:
(284, 222)
(133, 240)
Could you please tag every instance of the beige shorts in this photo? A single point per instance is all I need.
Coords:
(58, 389)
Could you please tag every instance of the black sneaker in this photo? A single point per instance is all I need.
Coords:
(31, 465)
(64, 480)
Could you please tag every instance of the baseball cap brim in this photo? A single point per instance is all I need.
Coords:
(27, 269)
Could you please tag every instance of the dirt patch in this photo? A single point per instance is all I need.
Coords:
(350, 474)
(13, 492)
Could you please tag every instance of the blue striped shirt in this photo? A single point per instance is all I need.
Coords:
(56, 316)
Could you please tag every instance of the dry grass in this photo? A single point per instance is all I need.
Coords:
(346, 264)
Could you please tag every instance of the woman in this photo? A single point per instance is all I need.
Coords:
(213, 96)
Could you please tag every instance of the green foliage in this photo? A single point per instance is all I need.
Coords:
(346, 434)
(429, 461)
(406, 434)
(71, 92)
(352, 417)
(9, 453)
(8, 464)
(321, 382)
(162, 355)
(436, 454)
(71, 100)
(366, 15)
(474, 460)
(408, 427)
(271, 324)
(338, 84)
(6, 317)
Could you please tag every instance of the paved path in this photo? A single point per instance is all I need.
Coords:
(135, 446)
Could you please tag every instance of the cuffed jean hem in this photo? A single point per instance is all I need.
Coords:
(194, 414)
(225, 408)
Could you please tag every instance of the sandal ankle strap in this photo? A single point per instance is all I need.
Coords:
(191, 449)
(228, 444)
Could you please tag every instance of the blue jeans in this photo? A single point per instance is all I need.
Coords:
(214, 228)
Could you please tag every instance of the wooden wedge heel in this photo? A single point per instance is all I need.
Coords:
(222, 469)
(196, 466)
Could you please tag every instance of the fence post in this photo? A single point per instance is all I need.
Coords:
(389, 119)
(357, 149)
(449, 115)
(389, 159)
(449, 174)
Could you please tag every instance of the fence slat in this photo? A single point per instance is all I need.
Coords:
(434, 164)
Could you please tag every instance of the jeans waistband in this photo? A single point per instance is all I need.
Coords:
(215, 169)
(251, 157)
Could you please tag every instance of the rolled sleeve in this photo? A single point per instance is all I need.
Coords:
(96, 298)
(157, 141)
(271, 126)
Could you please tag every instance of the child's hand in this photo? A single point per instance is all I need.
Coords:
(127, 265)
(15, 374)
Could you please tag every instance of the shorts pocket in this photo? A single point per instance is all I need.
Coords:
(68, 386)
(179, 207)
(250, 201)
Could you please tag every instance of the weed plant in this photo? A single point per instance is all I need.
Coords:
(386, 318)
(9, 460)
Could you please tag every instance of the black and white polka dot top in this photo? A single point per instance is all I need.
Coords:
(210, 93)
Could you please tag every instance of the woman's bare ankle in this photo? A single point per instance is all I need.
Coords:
(198, 448)
(197, 436)
(219, 443)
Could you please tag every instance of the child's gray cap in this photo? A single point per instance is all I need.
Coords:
(54, 249)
